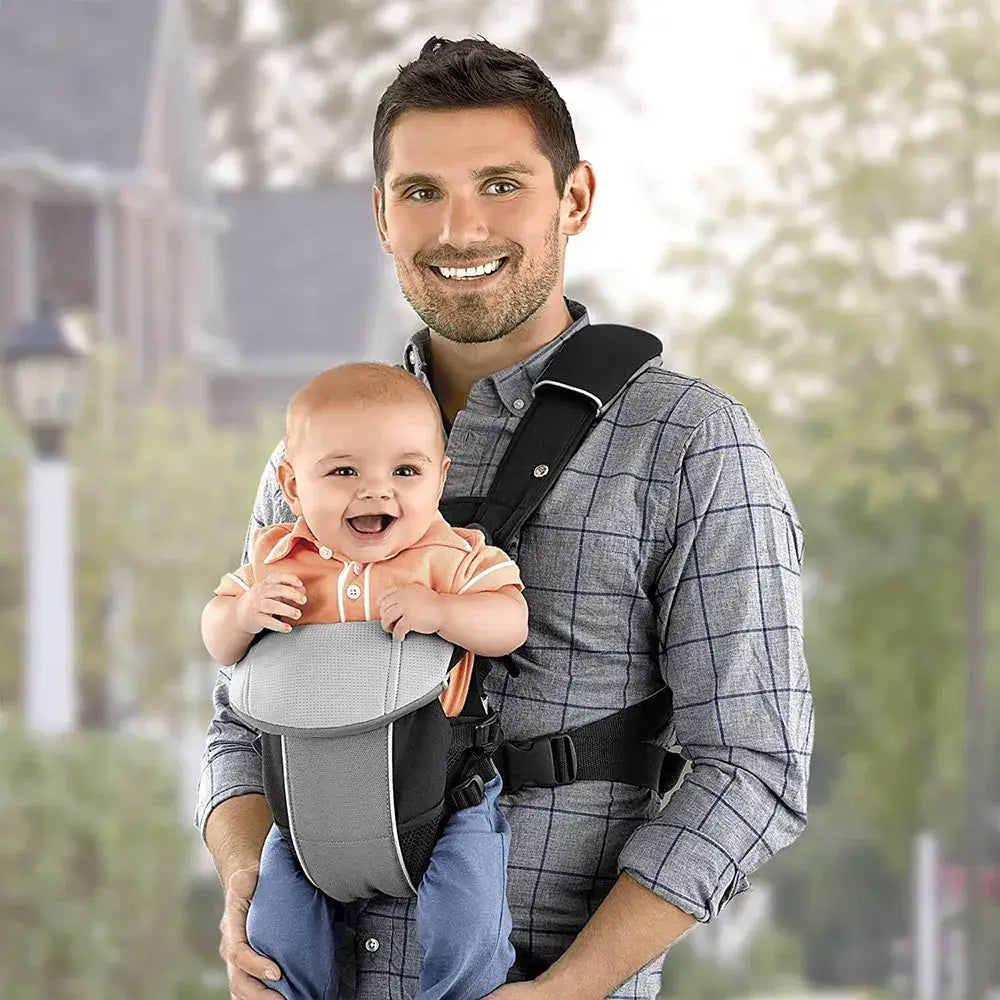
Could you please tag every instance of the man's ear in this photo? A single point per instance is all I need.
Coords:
(289, 487)
(379, 209)
(578, 199)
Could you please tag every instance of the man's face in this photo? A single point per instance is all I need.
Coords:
(367, 479)
(468, 190)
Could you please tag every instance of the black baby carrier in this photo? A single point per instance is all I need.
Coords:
(361, 766)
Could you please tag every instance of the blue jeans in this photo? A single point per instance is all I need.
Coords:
(462, 916)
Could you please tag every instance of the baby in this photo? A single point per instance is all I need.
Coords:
(363, 472)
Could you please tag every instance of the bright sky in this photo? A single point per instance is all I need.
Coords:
(693, 69)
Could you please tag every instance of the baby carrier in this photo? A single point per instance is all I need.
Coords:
(362, 781)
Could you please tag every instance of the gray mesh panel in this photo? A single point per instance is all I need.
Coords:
(337, 675)
(340, 813)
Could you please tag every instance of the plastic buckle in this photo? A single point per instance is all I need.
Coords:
(486, 733)
(470, 792)
(547, 762)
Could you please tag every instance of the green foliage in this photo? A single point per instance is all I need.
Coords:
(342, 55)
(92, 871)
(161, 500)
(773, 965)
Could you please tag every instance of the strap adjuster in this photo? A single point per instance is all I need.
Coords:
(547, 761)
(470, 792)
(486, 734)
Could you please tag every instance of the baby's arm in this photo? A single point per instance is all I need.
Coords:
(491, 623)
(229, 623)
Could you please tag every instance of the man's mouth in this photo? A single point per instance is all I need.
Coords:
(472, 272)
(370, 526)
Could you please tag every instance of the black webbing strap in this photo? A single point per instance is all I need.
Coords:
(615, 748)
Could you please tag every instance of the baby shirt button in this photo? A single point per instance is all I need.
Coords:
(325, 553)
(353, 591)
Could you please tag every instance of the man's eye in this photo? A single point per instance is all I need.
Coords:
(421, 194)
(501, 187)
(406, 470)
(343, 470)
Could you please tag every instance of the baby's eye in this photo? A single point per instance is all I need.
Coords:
(406, 470)
(343, 470)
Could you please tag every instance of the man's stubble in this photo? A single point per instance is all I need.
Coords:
(473, 318)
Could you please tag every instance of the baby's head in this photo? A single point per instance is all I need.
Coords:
(364, 459)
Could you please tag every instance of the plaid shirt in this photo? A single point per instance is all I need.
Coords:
(668, 551)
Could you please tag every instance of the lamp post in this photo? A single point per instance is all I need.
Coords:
(45, 371)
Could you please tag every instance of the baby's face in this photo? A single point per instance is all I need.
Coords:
(367, 479)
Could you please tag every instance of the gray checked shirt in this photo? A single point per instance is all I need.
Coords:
(668, 552)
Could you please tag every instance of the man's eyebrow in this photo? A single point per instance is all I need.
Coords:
(514, 167)
(478, 174)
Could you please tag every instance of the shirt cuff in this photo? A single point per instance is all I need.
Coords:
(684, 867)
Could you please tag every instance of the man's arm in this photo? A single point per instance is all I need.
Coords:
(231, 764)
(730, 617)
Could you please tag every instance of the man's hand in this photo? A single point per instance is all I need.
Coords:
(244, 967)
(413, 608)
(266, 603)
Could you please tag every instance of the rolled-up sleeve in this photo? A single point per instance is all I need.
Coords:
(730, 625)
(230, 764)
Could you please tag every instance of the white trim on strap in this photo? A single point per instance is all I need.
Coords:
(571, 388)
(236, 579)
(392, 819)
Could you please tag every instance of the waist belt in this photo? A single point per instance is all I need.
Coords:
(618, 747)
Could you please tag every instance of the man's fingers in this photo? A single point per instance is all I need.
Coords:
(243, 957)
(400, 629)
(245, 987)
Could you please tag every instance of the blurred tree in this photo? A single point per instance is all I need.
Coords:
(92, 871)
(293, 96)
(161, 500)
(860, 307)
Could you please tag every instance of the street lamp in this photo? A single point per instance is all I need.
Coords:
(45, 372)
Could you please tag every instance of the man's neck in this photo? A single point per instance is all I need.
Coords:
(456, 367)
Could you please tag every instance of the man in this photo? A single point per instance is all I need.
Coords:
(667, 552)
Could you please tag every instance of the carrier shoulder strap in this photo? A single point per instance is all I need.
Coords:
(575, 388)
(571, 395)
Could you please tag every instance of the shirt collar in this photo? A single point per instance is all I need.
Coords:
(512, 385)
(299, 535)
(438, 532)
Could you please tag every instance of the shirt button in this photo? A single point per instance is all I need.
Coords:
(518, 404)
(325, 553)
(353, 591)
(371, 945)
(357, 569)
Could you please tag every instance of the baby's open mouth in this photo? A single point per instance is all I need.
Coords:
(371, 524)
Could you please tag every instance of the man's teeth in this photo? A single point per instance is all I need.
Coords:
(471, 272)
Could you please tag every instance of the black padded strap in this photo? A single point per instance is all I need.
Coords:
(615, 748)
(575, 388)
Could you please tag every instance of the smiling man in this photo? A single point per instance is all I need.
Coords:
(667, 553)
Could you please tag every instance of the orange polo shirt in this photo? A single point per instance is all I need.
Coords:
(447, 560)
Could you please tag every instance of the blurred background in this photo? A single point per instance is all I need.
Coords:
(802, 199)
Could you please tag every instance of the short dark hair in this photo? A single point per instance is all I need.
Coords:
(474, 73)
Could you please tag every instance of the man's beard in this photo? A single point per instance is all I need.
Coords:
(464, 318)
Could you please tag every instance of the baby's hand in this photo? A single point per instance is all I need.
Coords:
(266, 603)
(413, 608)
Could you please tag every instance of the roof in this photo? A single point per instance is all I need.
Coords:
(302, 271)
(74, 78)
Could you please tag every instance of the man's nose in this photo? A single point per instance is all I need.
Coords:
(464, 223)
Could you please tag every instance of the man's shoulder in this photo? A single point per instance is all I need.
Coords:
(671, 402)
